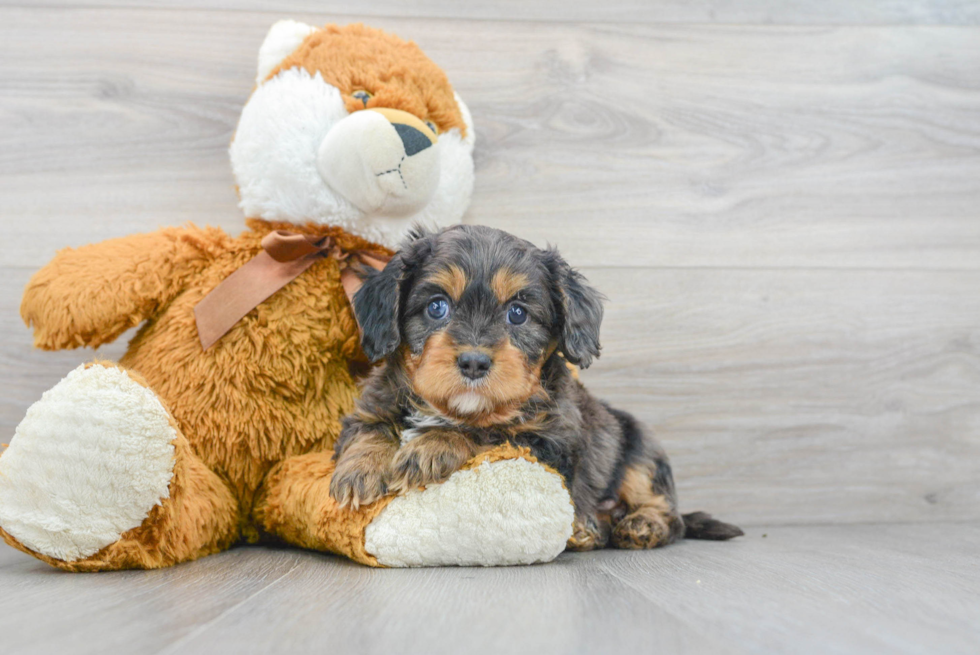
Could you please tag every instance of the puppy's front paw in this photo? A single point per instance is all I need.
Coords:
(427, 460)
(357, 481)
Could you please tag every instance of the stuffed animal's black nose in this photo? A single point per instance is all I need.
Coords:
(413, 140)
(474, 364)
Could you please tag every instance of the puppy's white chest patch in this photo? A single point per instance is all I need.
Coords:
(419, 423)
(469, 403)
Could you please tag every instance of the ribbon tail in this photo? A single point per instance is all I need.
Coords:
(351, 282)
(349, 277)
(376, 262)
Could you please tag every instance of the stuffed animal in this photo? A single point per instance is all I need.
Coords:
(218, 423)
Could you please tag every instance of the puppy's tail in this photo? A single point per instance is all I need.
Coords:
(699, 525)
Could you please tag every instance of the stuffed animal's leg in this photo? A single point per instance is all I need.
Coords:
(295, 504)
(99, 477)
(501, 508)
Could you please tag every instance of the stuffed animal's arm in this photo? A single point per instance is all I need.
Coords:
(90, 295)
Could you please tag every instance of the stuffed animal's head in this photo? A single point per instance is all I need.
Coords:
(353, 127)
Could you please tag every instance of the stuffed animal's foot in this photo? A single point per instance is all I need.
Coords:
(91, 462)
(87, 463)
(502, 508)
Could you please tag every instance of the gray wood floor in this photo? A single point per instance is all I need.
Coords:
(820, 589)
(782, 202)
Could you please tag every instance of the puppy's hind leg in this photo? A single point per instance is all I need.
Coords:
(645, 514)
(647, 495)
(652, 520)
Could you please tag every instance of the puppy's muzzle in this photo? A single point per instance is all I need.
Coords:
(384, 161)
(474, 364)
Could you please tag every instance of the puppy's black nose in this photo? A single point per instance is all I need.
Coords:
(474, 364)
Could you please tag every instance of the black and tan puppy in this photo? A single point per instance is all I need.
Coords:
(476, 328)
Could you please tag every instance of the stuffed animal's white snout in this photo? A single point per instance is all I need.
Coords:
(383, 161)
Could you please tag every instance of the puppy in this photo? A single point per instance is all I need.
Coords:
(476, 329)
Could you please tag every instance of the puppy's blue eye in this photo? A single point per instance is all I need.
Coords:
(437, 309)
(516, 315)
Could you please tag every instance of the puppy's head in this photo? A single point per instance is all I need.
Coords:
(473, 313)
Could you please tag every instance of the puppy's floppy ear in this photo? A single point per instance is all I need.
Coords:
(377, 304)
(376, 310)
(578, 309)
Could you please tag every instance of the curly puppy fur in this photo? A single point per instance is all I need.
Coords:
(476, 329)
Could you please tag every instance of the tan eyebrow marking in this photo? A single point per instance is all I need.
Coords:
(506, 283)
(452, 280)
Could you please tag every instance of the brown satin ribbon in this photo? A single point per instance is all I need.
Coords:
(284, 256)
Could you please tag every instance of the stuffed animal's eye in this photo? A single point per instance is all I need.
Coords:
(363, 96)
(437, 309)
(432, 126)
(516, 315)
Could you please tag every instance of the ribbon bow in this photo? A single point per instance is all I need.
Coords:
(284, 256)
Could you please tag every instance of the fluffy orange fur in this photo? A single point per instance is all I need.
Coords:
(396, 73)
(274, 387)
(296, 506)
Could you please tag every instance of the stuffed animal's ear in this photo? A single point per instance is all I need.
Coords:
(281, 41)
(376, 310)
(579, 312)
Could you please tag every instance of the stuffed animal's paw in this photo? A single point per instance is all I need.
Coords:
(428, 459)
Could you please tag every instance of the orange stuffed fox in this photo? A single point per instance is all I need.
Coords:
(184, 448)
